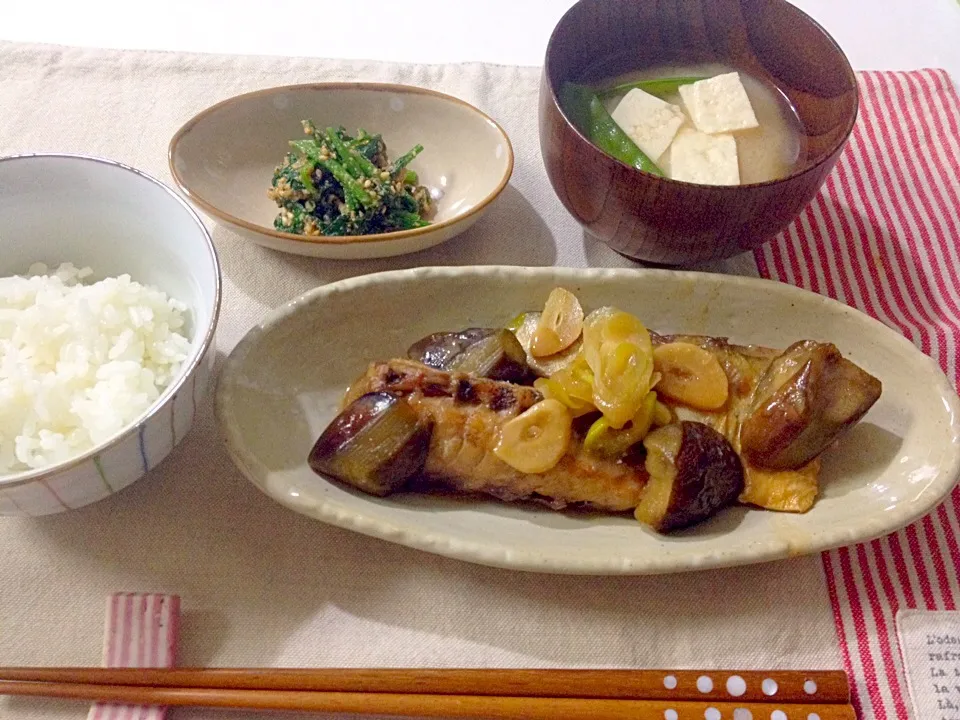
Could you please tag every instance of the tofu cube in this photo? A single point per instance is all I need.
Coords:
(706, 159)
(649, 121)
(719, 104)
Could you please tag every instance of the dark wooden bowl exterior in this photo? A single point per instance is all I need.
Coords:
(657, 220)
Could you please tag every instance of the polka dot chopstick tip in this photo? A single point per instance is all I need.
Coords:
(787, 686)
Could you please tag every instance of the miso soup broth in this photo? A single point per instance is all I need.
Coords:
(772, 150)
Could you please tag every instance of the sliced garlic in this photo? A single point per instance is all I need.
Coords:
(691, 375)
(535, 440)
(560, 324)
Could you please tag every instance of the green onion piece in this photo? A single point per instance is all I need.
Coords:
(517, 322)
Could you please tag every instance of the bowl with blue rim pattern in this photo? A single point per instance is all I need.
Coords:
(116, 220)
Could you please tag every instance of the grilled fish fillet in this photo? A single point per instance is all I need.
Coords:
(467, 414)
(784, 408)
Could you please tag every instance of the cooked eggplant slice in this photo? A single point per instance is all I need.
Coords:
(498, 356)
(376, 444)
(694, 472)
(439, 349)
(808, 397)
(493, 353)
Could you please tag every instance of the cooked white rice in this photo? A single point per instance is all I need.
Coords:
(79, 362)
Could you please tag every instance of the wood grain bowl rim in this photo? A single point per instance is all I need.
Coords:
(338, 240)
(824, 157)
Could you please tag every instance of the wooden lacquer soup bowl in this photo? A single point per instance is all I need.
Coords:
(652, 218)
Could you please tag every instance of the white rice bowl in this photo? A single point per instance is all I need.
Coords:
(80, 361)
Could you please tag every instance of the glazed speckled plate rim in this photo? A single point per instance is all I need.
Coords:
(344, 240)
(331, 512)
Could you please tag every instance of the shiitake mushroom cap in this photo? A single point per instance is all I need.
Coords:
(694, 472)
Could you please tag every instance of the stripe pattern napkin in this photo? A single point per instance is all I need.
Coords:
(884, 236)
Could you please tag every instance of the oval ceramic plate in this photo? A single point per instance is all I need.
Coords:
(281, 386)
(224, 158)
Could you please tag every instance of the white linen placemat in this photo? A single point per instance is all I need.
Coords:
(261, 585)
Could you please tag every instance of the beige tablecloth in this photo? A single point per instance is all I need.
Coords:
(264, 586)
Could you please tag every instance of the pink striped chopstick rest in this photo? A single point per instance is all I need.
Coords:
(141, 631)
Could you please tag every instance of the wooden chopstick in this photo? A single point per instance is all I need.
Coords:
(744, 686)
(420, 705)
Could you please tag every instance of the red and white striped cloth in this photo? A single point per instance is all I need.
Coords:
(884, 236)
(141, 631)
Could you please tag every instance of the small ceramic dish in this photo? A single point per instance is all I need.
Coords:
(274, 399)
(115, 220)
(224, 158)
